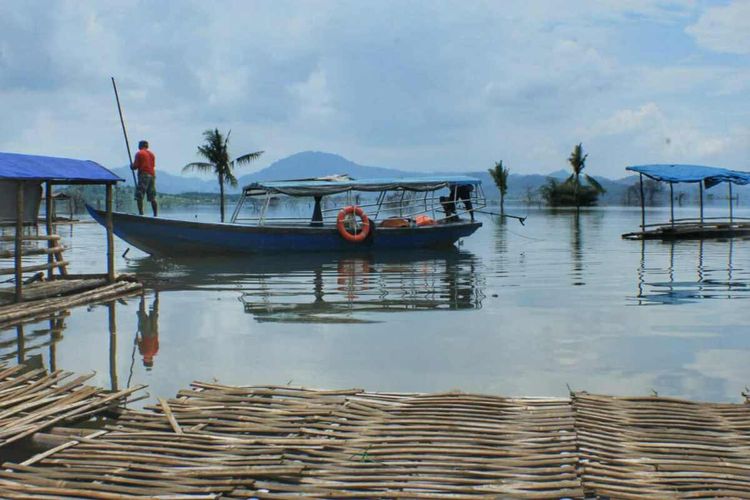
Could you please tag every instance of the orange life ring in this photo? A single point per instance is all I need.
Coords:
(341, 224)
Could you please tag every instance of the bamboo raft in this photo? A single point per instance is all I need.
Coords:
(216, 441)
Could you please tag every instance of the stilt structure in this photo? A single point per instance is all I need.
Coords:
(21, 180)
(702, 227)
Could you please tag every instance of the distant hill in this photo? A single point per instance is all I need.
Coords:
(315, 164)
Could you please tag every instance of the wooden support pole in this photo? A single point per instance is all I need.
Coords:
(643, 205)
(731, 209)
(110, 238)
(671, 202)
(19, 241)
(20, 344)
(700, 185)
(112, 346)
(48, 201)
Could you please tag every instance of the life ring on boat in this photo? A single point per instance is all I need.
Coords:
(341, 223)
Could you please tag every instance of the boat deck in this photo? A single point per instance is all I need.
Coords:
(217, 441)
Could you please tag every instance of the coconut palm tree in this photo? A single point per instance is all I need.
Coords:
(577, 162)
(500, 176)
(216, 152)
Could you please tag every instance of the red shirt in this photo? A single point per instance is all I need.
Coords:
(145, 162)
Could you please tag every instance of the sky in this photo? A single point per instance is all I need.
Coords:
(415, 85)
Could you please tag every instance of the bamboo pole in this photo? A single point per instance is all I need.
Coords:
(700, 189)
(110, 238)
(643, 204)
(731, 209)
(48, 201)
(671, 202)
(19, 242)
(112, 345)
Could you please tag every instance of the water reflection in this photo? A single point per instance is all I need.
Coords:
(710, 276)
(326, 288)
(147, 336)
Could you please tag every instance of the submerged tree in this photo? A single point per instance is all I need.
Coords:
(500, 176)
(216, 151)
(572, 192)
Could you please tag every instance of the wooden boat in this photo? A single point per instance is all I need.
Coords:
(406, 214)
(695, 228)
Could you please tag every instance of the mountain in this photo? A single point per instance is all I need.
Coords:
(522, 187)
(317, 164)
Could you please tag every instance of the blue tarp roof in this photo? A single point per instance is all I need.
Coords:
(15, 166)
(692, 173)
(327, 187)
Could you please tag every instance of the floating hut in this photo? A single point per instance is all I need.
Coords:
(691, 228)
(52, 287)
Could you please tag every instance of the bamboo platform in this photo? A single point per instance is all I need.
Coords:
(32, 400)
(58, 295)
(215, 441)
(691, 231)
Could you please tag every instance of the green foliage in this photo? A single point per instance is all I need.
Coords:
(572, 192)
(500, 176)
(215, 150)
(567, 194)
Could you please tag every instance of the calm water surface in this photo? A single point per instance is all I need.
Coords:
(514, 310)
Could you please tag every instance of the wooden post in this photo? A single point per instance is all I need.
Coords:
(20, 344)
(110, 238)
(112, 346)
(671, 202)
(49, 204)
(19, 241)
(700, 185)
(643, 205)
(731, 211)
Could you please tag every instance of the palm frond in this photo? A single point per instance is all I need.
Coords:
(594, 183)
(570, 180)
(199, 166)
(230, 179)
(241, 160)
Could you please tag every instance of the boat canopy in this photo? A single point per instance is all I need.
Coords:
(323, 187)
(710, 176)
(19, 167)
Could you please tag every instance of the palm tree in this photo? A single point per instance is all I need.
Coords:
(500, 176)
(215, 150)
(577, 162)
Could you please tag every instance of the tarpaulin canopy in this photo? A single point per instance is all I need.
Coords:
(318, 187)
(710, 176)
(18, 167)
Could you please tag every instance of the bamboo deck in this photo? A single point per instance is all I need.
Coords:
(46, 298)
(215, 441)
(691, 231)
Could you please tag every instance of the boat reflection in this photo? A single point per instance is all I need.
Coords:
(713, 275)
(325, 288)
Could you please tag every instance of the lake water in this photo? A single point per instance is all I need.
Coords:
(514, 310)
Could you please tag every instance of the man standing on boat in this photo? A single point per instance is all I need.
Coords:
(145, 164)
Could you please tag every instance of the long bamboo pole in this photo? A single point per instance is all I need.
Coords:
(124, 132)
(700, 185)
(19, 241)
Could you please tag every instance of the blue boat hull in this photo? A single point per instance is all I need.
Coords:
(170, 237)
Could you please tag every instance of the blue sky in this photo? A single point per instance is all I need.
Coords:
(420, 85)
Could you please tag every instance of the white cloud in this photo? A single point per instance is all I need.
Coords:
(725, 28)
(630, 120)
